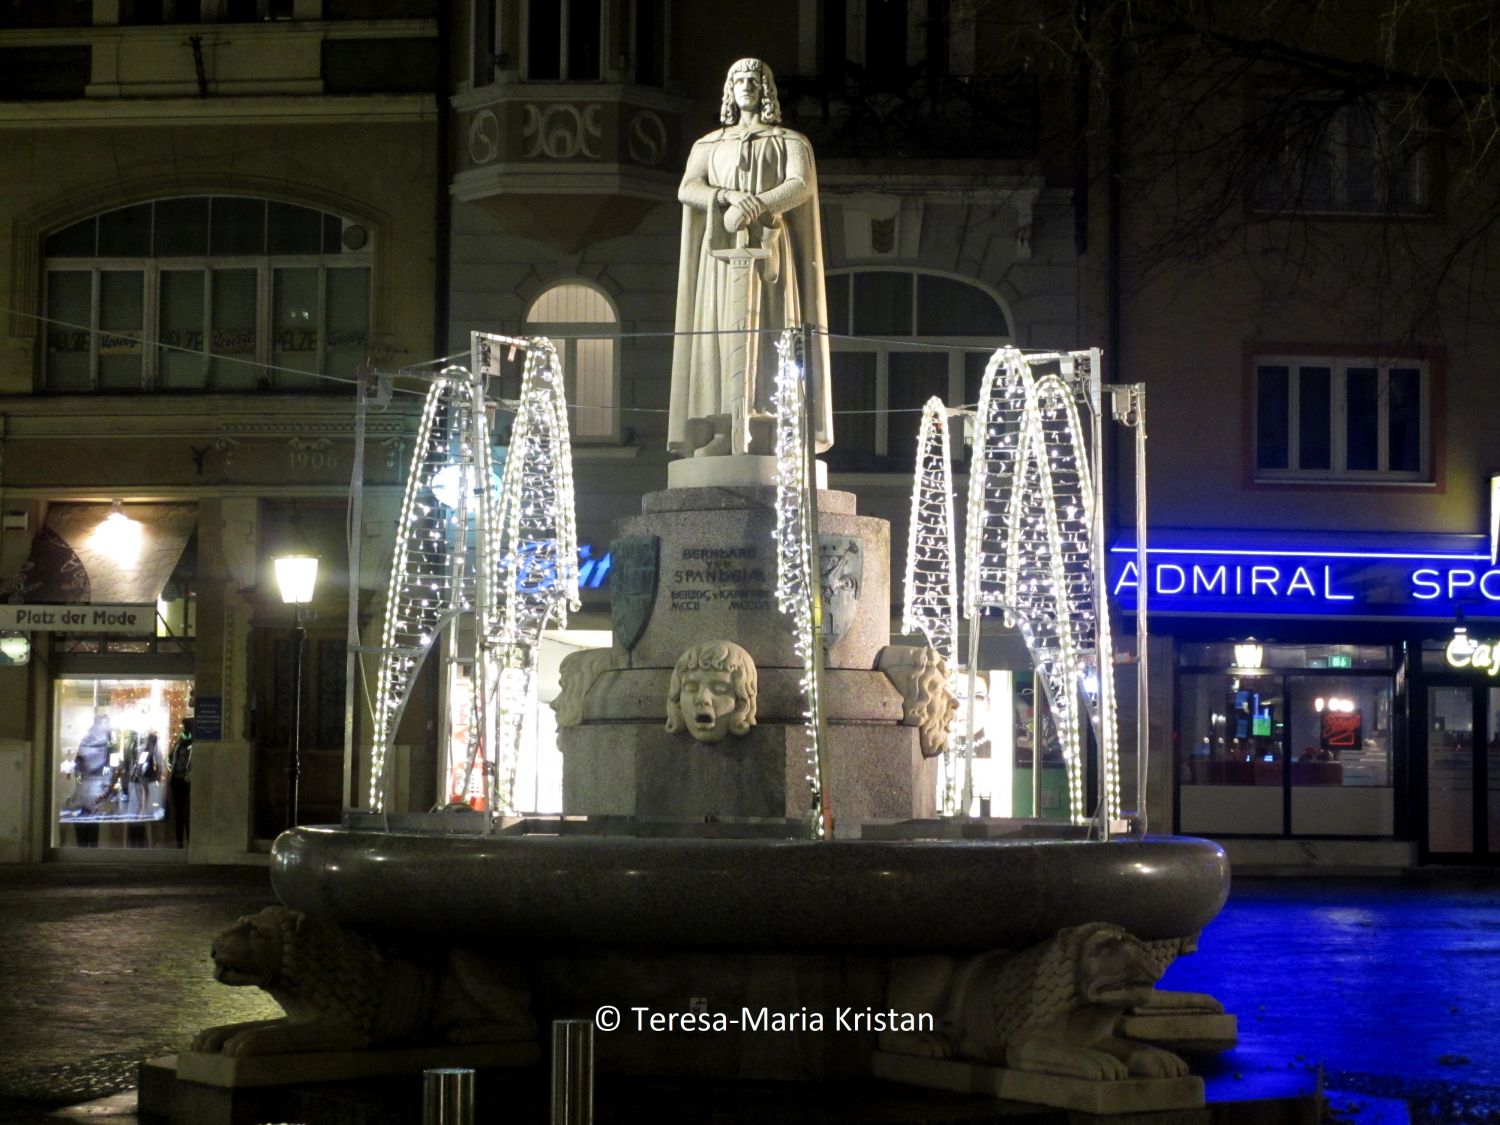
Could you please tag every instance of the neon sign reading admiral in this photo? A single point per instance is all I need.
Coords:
(1332, 581)
(1236, 580)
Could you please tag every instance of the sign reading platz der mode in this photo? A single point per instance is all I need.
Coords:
(78, 618)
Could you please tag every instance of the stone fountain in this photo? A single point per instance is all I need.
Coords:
(690, 915)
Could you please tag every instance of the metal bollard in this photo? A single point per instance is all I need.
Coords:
(572, 1072)
(448, 1096)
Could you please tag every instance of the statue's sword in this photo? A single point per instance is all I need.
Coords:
(743, 357)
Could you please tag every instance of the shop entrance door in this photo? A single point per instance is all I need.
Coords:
(1463, 775)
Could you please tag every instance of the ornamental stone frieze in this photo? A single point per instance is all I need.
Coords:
(520, 139)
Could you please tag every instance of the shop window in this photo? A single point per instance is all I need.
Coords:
(1252, 737)
(113, 743)
(898, 338)
(1013, 721)
(206, 294)
(1330, 154)
(1323, 418)
(582, 322)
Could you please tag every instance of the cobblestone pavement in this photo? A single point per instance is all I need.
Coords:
(103, 966)
(1390, 989)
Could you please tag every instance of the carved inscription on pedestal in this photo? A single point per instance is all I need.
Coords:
(721, 578)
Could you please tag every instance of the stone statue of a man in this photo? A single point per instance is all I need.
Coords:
(751, 265)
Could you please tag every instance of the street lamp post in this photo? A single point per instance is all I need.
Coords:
(297, 575)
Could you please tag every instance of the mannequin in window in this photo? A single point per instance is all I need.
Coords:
(144, 773)
(179, 784)
(90, 768)
(750, 187)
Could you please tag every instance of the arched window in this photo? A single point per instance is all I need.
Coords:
(206, 293)
(916, 335)
(584, 322)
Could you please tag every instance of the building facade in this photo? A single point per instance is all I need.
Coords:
(1295, 263)
(216, 215)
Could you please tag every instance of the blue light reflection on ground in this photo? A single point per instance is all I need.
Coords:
(1391, 986)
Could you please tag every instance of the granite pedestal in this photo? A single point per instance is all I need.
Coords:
(715, 580)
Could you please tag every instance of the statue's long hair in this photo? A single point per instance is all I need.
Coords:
(770, 101)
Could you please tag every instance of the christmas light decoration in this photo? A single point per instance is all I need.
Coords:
(931, 604)
(1033, 548)
(520, 573)
(797, 556)
(431, 582)
(930, 600)
(535, 556)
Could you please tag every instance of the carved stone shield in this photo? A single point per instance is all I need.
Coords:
(633, 573)
(842, 567)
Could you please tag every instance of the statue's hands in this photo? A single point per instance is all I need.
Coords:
(744, 209)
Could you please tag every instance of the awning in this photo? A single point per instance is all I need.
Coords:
(103, 554)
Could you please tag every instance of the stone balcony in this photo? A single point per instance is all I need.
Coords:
(611, 151)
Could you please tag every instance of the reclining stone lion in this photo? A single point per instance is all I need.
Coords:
(1051, 1008)
(342, 991)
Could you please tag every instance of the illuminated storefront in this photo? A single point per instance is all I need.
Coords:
(114, 739)
(1318, 689)
(538, 785)
(104, 599)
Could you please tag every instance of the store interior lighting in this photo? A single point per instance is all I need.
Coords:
(1248, 655)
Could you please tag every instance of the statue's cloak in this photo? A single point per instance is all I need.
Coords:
(696, 389)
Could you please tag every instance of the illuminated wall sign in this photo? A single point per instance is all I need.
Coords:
(593, 572)
(1464, 651)
(78, 618)
(1398, 578)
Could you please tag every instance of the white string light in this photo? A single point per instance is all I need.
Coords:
(796, 553)
(429, 583)
(1030, 549)
(523, 572)
(930, 601)
(534, 557)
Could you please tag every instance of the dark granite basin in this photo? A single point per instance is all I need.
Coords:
(875, 895)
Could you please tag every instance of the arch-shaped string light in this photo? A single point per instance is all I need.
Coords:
(520, 575)
(1031, 549)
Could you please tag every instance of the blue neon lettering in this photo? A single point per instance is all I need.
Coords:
(1307, 581)
(1426, 577)
(1455, 583)
(1216, 581)
(1266, 576)
(1328, 588)
(1181, 578)
(601, 571)
(1301, 583)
